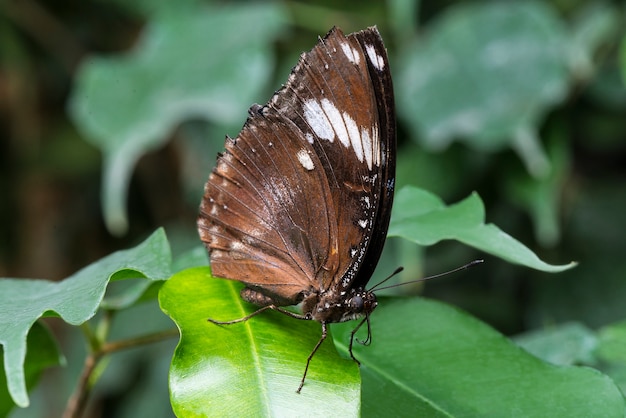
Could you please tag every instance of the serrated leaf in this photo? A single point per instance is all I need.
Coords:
(191, 64)
(250, 368)
(75, 299)
(423, 218)
(485, 73)
(434, 360)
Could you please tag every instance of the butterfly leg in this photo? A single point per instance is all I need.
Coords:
(308, 360)
(245, 318)
(353, 333)
(368, 339)
(258, 311)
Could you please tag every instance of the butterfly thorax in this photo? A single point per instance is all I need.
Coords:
(333, 306)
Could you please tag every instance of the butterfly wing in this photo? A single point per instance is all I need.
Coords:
(340, 96)
(261, 216)
(300, 200)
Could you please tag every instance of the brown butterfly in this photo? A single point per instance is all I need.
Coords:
(298, 205)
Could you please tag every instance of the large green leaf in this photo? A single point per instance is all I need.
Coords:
(251, 368)
(426, 359)
(485, 73)
(423, 218)
(195, 63)
(75, 299)
(429, 359)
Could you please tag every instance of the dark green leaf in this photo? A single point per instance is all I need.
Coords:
(434, 360)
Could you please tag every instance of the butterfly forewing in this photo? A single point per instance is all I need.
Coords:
(300, 201)
(340, 96)
(380, 77)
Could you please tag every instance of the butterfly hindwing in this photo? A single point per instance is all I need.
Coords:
(260, 215)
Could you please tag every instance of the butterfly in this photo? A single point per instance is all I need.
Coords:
(298, 205)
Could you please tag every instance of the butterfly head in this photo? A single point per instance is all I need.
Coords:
(340, 307)
(360, 304)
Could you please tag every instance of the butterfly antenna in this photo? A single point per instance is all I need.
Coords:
(463, 267)
(397, 271)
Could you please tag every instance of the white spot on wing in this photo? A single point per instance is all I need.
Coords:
(351, 53)
(327, 121)
(367, 146)
(377, 60)
(375, 146)
(236, 246)
(333, 115)
(355, 137)
(318, 121)
(305, 159)
(362, 223)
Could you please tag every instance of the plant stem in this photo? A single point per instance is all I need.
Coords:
(78, 401)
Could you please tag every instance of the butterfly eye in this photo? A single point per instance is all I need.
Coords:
(357, 303)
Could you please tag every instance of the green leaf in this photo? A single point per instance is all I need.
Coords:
(423, 218)
(612, 341)
(565, 344)
(434, 360)
(485, 73)
(74, 299)
(42, 352)
(122, 295)
(190, 64)
(255, 367)
(542, 197)
(426, 357)
(596, 24)
(622, 59)
(197, 256)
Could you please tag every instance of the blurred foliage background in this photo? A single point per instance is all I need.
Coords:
(112, 114)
